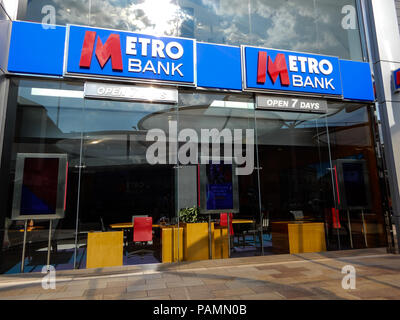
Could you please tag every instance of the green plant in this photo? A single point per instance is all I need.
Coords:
(190, 215)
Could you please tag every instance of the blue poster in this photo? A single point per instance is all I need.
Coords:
(219, 188)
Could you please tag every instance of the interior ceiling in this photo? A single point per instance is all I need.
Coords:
(273, 128)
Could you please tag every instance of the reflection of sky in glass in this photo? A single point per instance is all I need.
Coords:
(103, 115)
(71, 115)
(114, 115)
(299, 25)
(337, 117)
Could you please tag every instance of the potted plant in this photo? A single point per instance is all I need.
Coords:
(190, 215)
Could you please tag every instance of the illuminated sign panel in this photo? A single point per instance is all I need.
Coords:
(95, 53)
(396, 80)
(108, 53)
(268, 69)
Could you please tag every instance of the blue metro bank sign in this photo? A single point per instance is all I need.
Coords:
(109, 53)
(98, 53)
(268, 69)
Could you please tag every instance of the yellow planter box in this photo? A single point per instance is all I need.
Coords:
(169, 243)
(220, 243)
(298, 237)
(195, 241)
(104, 249)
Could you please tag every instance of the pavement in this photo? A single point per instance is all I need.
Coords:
(308, 276)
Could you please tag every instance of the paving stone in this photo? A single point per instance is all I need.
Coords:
(159, 292)
(155, 281)
(5, 292)
(40, 290)
(171, 277)
(66, 294)
(180, 284)
(262, 296)
(201, 295)
(95, 297)
(156, 298)
(146, 287)
(135, 282)
(216, 286)
(91, 284)
(152, 276)
(113, 284)
(198, 288)
(126, 296)
(230, 298)
(179, 296)
(111, 290)
(22, 297)
(262, 289)
(371, 293)
(232, 292)
(293, 292)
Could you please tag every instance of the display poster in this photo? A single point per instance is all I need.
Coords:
(40, 186)
(219, 187)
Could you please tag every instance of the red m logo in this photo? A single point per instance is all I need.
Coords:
(111, 49)
(275, 69)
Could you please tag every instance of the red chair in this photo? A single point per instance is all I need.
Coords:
(223, 221)
(335, 219)
(142, 233)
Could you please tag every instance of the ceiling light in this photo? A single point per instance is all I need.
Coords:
(57, 93)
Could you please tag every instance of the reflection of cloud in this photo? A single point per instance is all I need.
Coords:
(300, 25)
(193, 99)
(295, 27)
(228, 7)
(150, 16)
(69, 11)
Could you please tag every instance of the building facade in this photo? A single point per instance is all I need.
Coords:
(258, 115)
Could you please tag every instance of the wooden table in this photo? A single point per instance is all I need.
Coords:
(29, 229)
(127, 225)
(242, 221)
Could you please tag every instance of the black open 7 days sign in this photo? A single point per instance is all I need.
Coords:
(291, 104)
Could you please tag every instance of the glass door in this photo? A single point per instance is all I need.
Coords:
(295, 172)
(126, 173)
(217, 170)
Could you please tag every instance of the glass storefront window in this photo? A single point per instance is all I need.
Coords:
(316, 26)
(48, 120)
(306, 169)
(356, 177)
